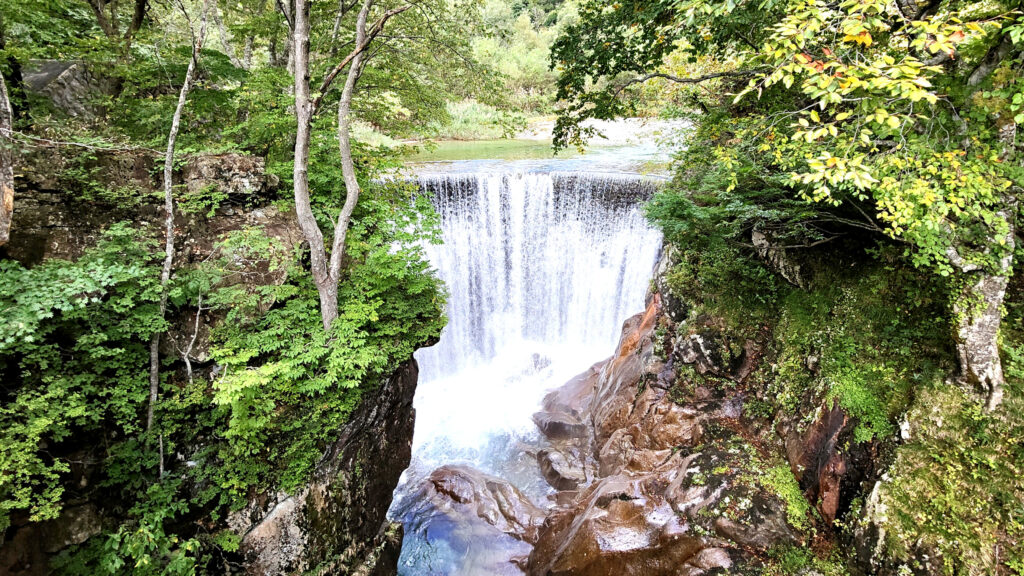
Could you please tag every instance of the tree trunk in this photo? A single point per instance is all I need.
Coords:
(165, 273)
(326, 270)
(348, 168)
(300, 175)
(978, 315)
(16, 98)
(102, 19)
(6, 164)
(225, 46)
(138, 17)
(291, 18)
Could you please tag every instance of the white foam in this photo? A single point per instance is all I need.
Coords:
(539, 285)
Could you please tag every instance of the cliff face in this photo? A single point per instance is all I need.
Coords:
(672, 487)
(56, 215)
(648, 482)
(675, 456)
(335, 523)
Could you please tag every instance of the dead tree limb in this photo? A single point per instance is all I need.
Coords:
(165, 273)
(6, 164)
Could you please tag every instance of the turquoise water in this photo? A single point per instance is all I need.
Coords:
(537, 156)
(507, 149)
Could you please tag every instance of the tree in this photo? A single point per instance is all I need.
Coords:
(6, 164)
(172, 138)
(326, 267)
(904, 110)
(107, 13)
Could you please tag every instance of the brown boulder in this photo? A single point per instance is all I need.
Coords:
(467, 492)
(559, 425)
(563, 471)
(615, 531)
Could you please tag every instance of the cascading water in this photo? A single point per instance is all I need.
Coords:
(542, 269)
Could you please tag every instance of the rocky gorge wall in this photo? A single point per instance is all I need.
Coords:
(335, 524)
(653, 471)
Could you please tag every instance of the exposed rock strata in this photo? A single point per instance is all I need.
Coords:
(639, 488)
(54, 220)
(654, 505)
(659, 467)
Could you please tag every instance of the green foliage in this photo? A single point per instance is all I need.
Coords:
(848, 109)
(286, 385)
(471, 120)
(75, 365)
(73, 359)
(875, 328)
(142, 545)
(779, 479)
(956, 487)
(517, 44)
(790, 560)
(42, 29)
(74, 335)
(204, 201)
(703, 270)
(878, 334)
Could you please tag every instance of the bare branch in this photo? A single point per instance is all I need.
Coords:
(991, 61)
(679, 80)
(348, 169)
(6, 164)
(376, 29)
(286, 13)
(165, 273)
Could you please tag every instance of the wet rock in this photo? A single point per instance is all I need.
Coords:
(576, 395)
(614, 403)
(474, 507)
(655, 506)
(559, 425)
(492, 499)
(823, 462)
(610, 533)
(561, 470)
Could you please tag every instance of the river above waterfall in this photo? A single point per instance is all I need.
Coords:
(543, 260)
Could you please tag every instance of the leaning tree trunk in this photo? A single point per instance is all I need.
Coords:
(165, 273)
(978, 315)
(6, 164)
(978, 311)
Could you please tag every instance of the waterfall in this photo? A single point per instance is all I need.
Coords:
(541, 270)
